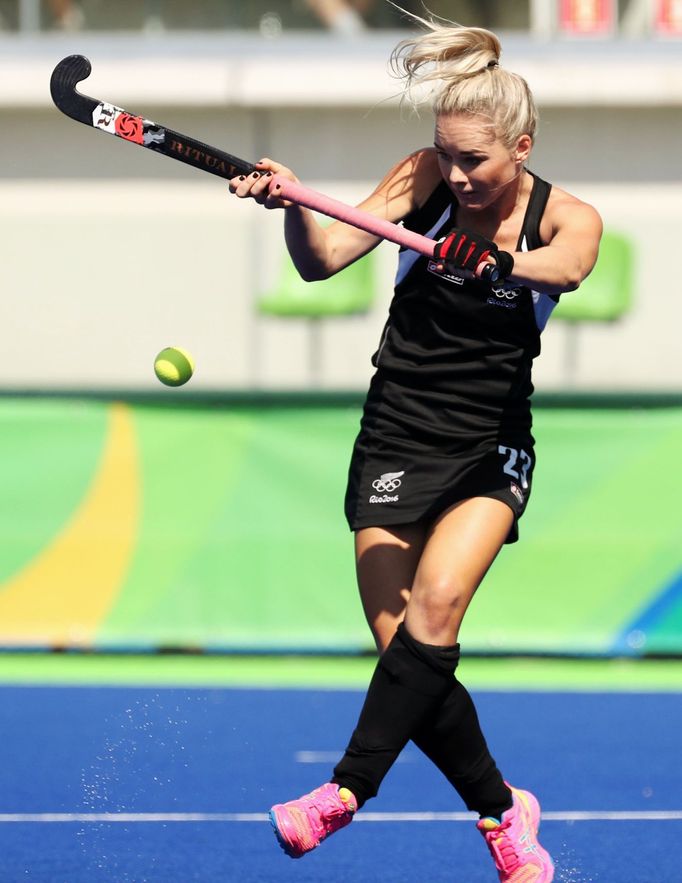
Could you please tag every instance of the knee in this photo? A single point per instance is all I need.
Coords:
(440, 598)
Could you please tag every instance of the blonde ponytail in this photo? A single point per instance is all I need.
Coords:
(465, 65)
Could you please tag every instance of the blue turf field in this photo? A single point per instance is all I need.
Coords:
(75, 756)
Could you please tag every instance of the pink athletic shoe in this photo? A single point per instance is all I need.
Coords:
(513, 842)
(301, 825)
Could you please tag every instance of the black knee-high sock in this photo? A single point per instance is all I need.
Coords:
(451, 737)
(410, 682)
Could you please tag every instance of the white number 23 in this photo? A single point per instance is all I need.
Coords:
(517, 465)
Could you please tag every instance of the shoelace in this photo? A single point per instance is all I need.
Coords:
(325, 809)
(502, 848)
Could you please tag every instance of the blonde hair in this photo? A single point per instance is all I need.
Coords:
(465, 64)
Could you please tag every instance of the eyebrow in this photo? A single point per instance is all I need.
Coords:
(475, 152)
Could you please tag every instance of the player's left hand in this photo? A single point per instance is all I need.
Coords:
(464, 250)
(469, 253)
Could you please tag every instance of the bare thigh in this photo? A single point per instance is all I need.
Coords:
(428, 574)
(386, 562)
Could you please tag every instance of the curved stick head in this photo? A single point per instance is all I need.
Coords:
(65, 77)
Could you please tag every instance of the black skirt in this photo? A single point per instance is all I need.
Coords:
(392, 482)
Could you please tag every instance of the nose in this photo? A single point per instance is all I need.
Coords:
(456, 175)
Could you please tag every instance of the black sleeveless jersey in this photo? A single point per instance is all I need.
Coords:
(455, 357)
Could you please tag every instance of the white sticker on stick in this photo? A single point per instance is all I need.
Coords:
(104, 117)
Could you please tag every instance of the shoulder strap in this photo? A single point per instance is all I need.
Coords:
(530, 229)
(423, 218)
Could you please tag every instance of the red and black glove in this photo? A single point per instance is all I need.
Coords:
(463, 250)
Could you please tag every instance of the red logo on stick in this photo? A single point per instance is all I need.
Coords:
(130, 127)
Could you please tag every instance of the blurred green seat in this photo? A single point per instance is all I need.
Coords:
(607, 293)
(605, 296)
(347, 293)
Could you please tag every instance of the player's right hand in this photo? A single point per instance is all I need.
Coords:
(261, 185)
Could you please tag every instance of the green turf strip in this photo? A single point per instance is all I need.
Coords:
(329, 672)
(48, 451)
(242, 543)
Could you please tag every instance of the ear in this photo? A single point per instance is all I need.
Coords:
(522, 150)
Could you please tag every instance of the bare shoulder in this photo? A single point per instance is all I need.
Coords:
(427, 174)
(566, 210)
(406, 185)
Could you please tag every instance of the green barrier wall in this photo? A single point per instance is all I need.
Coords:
(220, 526)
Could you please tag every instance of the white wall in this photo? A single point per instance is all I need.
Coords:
(100, 275)
(111, 253)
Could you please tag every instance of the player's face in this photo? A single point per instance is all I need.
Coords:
(476, 165)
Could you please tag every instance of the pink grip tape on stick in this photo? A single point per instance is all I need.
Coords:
(380, 227)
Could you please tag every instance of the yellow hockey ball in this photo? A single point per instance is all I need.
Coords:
(173, 366)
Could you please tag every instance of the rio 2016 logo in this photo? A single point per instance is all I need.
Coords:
(507, 293)
(389, 481)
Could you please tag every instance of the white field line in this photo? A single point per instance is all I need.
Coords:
(333, 757)
(137, 817)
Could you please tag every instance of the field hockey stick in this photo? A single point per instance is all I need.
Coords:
(108, 118)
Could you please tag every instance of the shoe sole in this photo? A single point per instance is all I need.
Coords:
(290, 850)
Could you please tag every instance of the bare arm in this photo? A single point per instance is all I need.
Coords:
(319, 252)
(569, 256)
